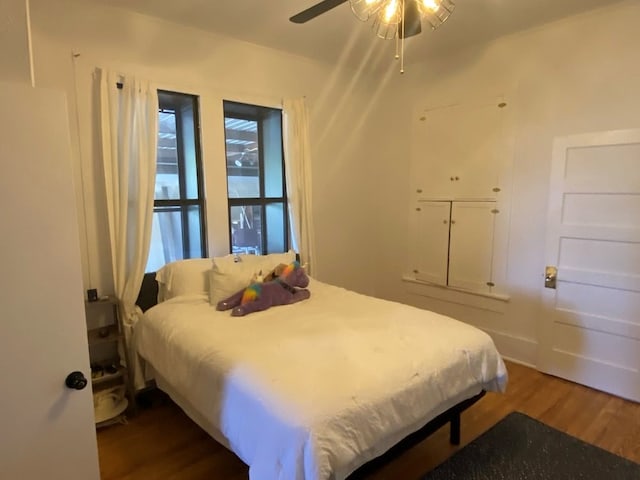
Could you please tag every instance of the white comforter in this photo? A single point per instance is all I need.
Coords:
(315, 389)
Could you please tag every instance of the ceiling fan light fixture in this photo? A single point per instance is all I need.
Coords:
(386, 22)
(392, 19)
(436, 12)
(384, 30)
(365, 9)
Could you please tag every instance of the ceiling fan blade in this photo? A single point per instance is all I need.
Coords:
(412, 24)
(318, 9)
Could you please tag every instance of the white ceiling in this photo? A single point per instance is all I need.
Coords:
(338, 35)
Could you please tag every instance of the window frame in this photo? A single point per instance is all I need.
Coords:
(168, 100)
(261, 201)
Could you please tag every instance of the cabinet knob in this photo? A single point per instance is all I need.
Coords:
(452, 179)
(419, 190)
(457, 178)
(418, 209)
(445, 222)
(453, 222)
(76, 381)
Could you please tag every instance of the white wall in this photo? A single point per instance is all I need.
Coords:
(576, 75)
(14, 61)
(215, 67)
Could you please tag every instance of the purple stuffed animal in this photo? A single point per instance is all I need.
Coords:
(260, 296)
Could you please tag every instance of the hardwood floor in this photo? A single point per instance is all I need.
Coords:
(161, 442)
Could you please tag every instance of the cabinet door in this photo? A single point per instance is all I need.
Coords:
(429, 241)
(459, 151)
(471, 245)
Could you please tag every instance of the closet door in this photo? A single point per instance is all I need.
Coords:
(471, 245)
(464, 161)
(429, 241)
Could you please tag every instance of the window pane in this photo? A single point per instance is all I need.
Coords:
(276, 235)
(273, 164)
(246, 229)
(166, 238)
(194, 232)
(167, 177)
(189, 146)
(242, 154)
(171, 227)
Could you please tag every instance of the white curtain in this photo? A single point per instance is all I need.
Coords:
(129, 125)
(297, 154)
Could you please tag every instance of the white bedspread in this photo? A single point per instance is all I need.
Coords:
(315, 389)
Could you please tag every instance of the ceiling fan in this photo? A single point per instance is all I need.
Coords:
(392, 18)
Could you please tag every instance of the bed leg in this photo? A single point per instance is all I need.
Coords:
(454, 433)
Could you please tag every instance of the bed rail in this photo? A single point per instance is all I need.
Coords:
(451, 416)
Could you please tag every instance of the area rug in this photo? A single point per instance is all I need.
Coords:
(521, 448)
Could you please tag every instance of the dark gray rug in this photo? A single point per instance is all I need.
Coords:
(521, 448)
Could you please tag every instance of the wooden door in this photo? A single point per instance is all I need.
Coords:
(429, 241)
(591, 323)
(471, 245)
(47, 428)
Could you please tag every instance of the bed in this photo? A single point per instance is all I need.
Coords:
(316, 389)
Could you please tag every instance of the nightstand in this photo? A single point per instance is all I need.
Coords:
(111, 383)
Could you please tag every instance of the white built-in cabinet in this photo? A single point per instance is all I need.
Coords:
(459, 151)
(459, 167)
(452, 243)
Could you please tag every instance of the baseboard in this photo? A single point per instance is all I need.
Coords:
(515, 349)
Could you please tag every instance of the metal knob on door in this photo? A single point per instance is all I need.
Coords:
(550, 277)
(76, 381)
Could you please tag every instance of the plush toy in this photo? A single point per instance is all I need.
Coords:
(288, 287)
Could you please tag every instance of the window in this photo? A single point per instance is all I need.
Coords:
(178, 229)
(256, 188)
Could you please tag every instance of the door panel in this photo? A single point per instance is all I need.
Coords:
(608, 168)
(609, 210)
(591, 329)
(47, 428)
(429, 241)
(600, 256)
(471, 257)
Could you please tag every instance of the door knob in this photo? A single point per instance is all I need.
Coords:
(76, 381)
(550, 277)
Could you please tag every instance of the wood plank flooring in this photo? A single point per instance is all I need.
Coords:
(162, 443)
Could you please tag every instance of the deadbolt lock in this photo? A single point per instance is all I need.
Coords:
(550, 277)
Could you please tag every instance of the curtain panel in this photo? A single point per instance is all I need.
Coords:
(129, 128)
(297, 154)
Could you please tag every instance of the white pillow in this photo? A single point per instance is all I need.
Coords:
(183, 277)
(232, 273)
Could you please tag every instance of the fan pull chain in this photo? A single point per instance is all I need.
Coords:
(402, 41)
(397, 42)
